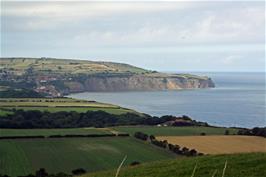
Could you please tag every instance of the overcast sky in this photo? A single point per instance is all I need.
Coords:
(164, 36)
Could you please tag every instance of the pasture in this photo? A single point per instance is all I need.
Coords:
(174, 131)
(219, 144)
(24, 156)
(58, 104)
(48, 132)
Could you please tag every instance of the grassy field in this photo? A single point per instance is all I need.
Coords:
(219, 144)
(58, 104)
(61, 66)
(21, 157)
(48, 132)
(174, 131)
(239, 165)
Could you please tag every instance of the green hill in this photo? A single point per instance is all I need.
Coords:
(238, 165)
(65, 66)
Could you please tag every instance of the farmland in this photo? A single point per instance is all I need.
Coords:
(48, 132)
(219, 144)
(175, 131)
(239, 165)
(58, 104)
(21, 157)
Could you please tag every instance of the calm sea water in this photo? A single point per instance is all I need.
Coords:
(237, 100)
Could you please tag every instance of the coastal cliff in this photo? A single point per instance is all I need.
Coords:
(57, 77)
(138, 83)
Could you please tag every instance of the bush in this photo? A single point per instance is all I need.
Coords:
(79, 171)
(141, 136)
(134, 163)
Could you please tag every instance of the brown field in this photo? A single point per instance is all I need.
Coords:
(219, 144)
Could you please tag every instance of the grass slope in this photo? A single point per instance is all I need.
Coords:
(239, 165)
(174, 131)
(21, 157)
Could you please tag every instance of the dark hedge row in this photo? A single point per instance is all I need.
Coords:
(164, 144)
(38, 119)
(64, 136)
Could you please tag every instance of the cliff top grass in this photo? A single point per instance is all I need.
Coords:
(66, 66)
(50, 66)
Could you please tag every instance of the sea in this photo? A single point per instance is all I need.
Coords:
(238, 100)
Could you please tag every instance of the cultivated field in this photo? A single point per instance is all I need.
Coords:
(24, 156)
(174, 131)
(219, 144)
(58, 104)
(48, 132)
(239, 165)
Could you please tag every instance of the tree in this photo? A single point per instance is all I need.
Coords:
(78, 171)
(185, 151)
(41, 173)
(226, 132)
(193, 152)
(152, 137)
(134, 163)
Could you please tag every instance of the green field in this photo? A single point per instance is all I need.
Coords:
(58, 104)
(62, 66)
(21, 157)
(238, 165)
(48, 132)
(174, 131)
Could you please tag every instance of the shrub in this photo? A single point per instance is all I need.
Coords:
(141, 136)
(78, 171)
(134, 163)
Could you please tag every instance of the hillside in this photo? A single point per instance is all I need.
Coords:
(244, 165)
(57, 77)
(25, 156)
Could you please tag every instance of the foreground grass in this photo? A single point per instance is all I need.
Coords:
(48, 132)
(238, 165)
(21, 157)
(174, 131)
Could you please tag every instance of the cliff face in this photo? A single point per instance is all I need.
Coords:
(139, 83)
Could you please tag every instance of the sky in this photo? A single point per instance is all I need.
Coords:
(164, 36)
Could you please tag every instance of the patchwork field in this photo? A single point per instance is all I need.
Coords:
(238, 165)
(219, 144)
(48, 132)
(58, 104)
(21, 157)
(174, 131)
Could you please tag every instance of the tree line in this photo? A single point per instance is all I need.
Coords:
(257, 131)
(164, 144)
(72, 119)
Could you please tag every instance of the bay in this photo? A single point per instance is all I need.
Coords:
(238, 100)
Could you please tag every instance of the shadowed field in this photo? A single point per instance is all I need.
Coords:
(219, 144)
